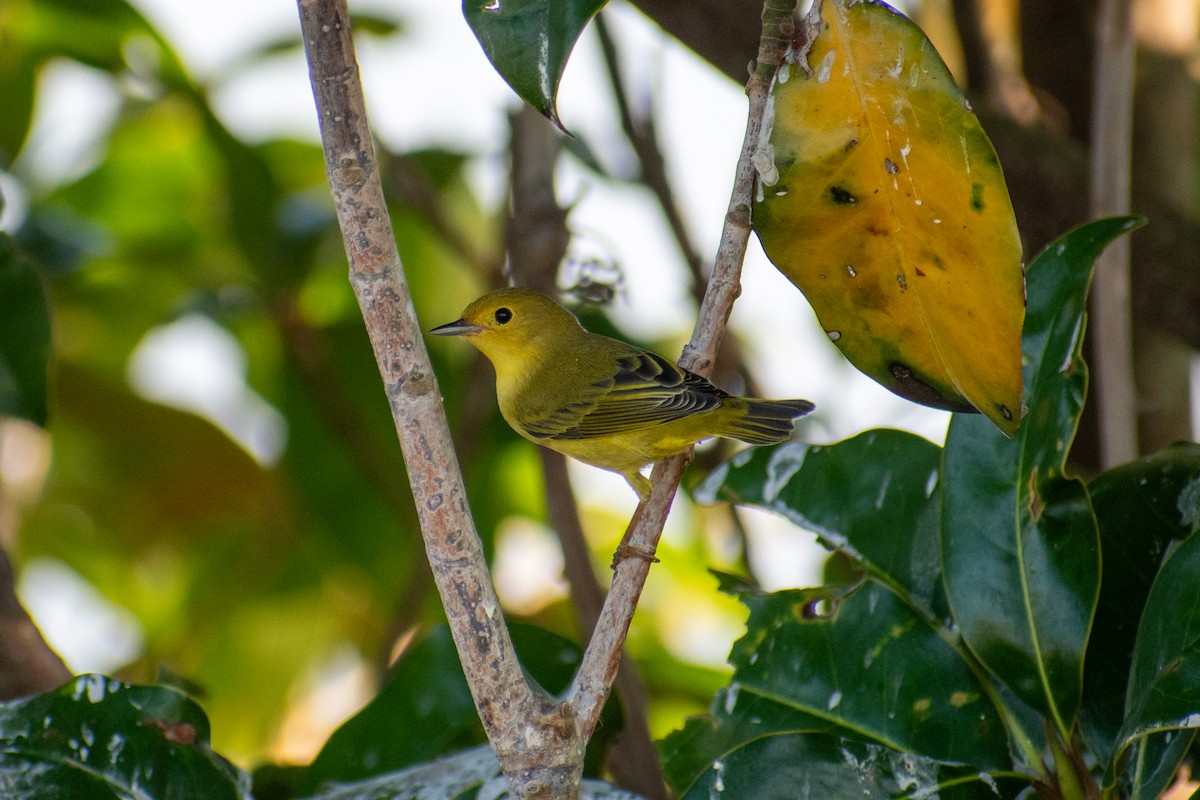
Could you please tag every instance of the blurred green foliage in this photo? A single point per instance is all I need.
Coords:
(246, 577)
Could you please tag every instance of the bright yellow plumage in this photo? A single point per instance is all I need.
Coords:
(602, 401)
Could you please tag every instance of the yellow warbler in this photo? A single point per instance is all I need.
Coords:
(602, 401)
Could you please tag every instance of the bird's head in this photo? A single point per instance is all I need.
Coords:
(513, 326)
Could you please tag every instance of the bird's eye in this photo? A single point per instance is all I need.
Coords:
(503, 315)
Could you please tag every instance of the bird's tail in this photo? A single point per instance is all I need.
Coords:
(767, 421)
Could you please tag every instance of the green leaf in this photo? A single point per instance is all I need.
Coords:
(18, 83)
(529, 41)
(873, 666)
(99, 738)
(24, 337)
(1142, 508)
(1020, 548)
(1164, 683)
(460, 774)
(875, 497)
(1152, 764)
(807, 765)
(735, 718)
(428, 692)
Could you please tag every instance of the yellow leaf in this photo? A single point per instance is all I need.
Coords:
(882, 199)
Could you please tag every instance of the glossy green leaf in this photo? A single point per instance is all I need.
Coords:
(24, 336)
(869, 663)
(1152, 763)
(874, 496)
(738, 715)
(1164, 683)
(1142, 509)
(529, 41)
(457, 775)
(1020, 547)
(807, 765)
(99, 738)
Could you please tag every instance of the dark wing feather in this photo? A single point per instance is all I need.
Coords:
(645, 390)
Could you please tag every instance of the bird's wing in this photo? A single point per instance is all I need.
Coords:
(645, 390)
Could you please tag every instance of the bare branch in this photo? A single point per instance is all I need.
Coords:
(534, 737)
(602, 657)
(1112, 136)
(27, 664)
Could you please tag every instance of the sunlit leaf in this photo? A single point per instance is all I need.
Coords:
(1020, 547)
(529, 41)
(105, 740)
(24, 337)
(882, 199)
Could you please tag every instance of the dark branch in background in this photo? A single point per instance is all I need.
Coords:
(1112, 323)
(27, 664)
(537, 239)
(643, 137)
(602, 656)
(534, 737)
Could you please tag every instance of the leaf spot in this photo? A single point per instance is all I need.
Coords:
(842, 196)
(977, 203)
(890, 166)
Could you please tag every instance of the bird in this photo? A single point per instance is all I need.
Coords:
(602, 401)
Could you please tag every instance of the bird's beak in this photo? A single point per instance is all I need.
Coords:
(457, 328)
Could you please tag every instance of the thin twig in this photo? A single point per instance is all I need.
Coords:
(602, 656)
(533, 736)
(643, 137)
(1112, 327)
